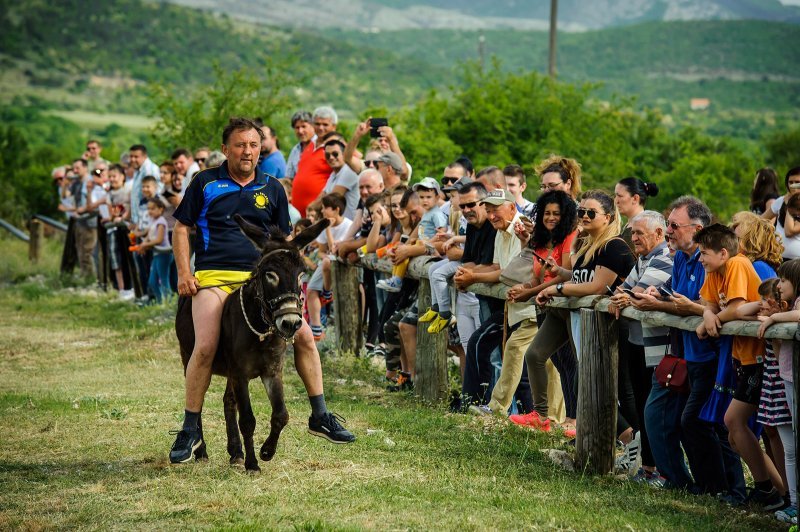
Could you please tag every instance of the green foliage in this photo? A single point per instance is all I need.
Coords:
(498, 118)
(198, 119)
(783, 148)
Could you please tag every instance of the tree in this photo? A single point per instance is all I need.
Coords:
(197, 119)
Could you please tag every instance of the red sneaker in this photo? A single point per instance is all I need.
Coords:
(531, 420)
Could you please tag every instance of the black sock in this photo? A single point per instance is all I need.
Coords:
(318, 406)
(435, 307)
(445, 314)
(190, 420)
(764, 485)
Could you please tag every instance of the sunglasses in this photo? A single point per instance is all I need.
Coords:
(675, 226)
(591, 213)
(371, 163)
(551, 186)
(468, 205)
(449, 180)
(201, 159)
(332, 154)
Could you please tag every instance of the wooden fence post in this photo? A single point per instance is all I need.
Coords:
(36, 229)
(346, 307)
(597, 392)
(431, 382)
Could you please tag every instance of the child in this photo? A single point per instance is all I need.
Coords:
(731, 281)
(789, 275)
(119, 200)
(142, 260)
(433, 220)
(158, 240)
(319, 294)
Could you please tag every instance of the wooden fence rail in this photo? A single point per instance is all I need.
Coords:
(597, 383)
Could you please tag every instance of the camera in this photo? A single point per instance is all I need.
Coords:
(374, 124)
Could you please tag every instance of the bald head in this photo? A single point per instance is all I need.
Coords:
(370, 182)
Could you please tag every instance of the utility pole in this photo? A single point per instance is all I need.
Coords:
(481, 50)
(551, 64)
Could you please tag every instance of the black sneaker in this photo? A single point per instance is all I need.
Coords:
(770, 500)
(327, 426)
(184, 447)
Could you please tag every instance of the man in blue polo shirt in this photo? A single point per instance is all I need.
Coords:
(223, 255)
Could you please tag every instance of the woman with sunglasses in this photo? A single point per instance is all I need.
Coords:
(601, 261)
(630, 197)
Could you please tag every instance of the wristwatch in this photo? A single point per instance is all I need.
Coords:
(560, 288)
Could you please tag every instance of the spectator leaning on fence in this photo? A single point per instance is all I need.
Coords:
(647, 344)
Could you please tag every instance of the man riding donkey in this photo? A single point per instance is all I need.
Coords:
(224, 258)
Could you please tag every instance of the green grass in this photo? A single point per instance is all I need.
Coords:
(91, 387)
(94, 120)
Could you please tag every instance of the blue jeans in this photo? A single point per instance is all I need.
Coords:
(662, 417)
(158, 283)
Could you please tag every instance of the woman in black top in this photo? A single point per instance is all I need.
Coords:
(603, 259)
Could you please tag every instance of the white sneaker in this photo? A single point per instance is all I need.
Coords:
(127, 295)
(627, 462)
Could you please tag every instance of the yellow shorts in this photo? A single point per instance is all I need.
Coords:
(216, 277)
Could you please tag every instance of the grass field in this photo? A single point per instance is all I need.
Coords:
(91, 387)
(94, 120)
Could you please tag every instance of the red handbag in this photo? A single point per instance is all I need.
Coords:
(671, 373)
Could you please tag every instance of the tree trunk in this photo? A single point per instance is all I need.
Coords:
(36, 229)
(346, 307)
(431, 381)
(597, 392)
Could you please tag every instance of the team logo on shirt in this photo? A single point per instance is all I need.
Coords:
(261, 200)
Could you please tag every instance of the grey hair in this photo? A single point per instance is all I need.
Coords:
(215, 158)
(301, 116)
(326, 112)
(697, 210)
(369, 172)
(652, 219)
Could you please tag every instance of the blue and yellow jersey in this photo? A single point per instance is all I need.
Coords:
(209, 204)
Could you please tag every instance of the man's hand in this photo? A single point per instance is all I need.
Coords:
(464, 277)
(401, 253)
(187, 285)
(362, 129)
(387, 133)
(711, 324)
(519, 293)
(523, 229)
(645, 301)
(683, 304)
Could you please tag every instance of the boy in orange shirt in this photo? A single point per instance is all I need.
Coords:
(731, 281)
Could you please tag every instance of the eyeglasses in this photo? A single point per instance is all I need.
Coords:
(468, 205)
(550, 186)
(332, 154)
(371, 163)
(590, 213)
(675, 227)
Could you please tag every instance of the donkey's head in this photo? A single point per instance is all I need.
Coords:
(277, 275)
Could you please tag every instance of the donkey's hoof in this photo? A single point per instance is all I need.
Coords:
(237, 460)
(203, 458)
(252, 469)
(267, 454)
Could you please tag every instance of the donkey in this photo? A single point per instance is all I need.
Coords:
(259, 319)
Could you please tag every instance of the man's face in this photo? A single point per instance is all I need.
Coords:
(79, 168)
(369, 184)
(303, 131)
(335, 157)
(201, 157)
(93, 150)
(242, 151)
(148, 189)
(103, 177)
(712, 260)
(552, 181)
(268, 144)
(182, 164)
(331, 213)
(513, 185)
(499, 215)
(427, 198)
(644, 239)
(474, 213)
(323, 126)
(137, 158)
(680, 230)
(451, 175)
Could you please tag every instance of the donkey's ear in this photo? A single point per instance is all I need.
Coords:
(256, 234)
(307, 236)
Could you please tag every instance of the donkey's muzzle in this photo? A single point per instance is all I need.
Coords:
(289, 324)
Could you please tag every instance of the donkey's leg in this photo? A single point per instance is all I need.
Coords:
(280, 416)
(234, 442)
(201, 455)
(247, 423)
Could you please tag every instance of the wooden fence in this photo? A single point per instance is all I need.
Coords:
(597, 383)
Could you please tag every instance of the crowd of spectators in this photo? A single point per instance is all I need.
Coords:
(518, 358)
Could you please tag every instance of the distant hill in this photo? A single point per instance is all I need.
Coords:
(573, 15)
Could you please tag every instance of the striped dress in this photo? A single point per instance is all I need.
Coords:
(773, 410)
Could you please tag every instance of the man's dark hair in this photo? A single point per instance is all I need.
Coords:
(514, 170)
(138, 147)
(477, 187)
(695, 209)
(792, 172)
(274, 135)
(456, 164)
(334, 200)
(717, 237)
(240, 123)
(84, 162)
(337, 141)
(93, 141)
(466, 164)
(301, 116)
(372, 200)
(181, 151)
(331, 135)
(149, 178)
(117, 167)
(569, 219)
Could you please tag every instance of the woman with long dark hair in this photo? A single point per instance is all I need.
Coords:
(786, 211)
(764, 191)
